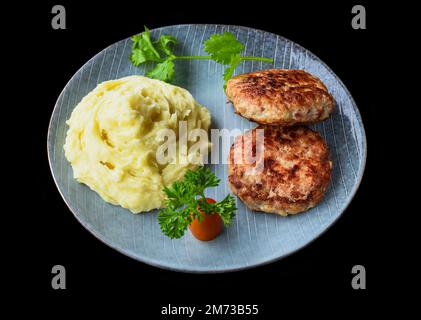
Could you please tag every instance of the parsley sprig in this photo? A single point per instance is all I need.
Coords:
(186, 200)
(223, 48)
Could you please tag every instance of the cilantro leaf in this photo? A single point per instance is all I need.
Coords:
(142, 49)
(235, 61)
(163, 71)
(222, 47)
(165, 43)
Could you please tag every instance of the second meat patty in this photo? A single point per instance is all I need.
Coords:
(280, 97)
(288, 175)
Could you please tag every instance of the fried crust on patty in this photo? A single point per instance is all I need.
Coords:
(280, 97)
(295, 174)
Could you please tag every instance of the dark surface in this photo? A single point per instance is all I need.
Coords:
(323, 268)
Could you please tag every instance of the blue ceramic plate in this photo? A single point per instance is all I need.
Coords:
(254, 238)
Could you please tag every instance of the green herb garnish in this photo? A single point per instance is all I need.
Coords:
(186, 200)
(223, 48)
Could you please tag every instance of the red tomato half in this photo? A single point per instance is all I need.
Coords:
(209, 228)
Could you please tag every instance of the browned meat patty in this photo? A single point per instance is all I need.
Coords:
(280, 97)
(295, 174)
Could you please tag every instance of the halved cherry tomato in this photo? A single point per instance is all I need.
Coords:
(209, 228)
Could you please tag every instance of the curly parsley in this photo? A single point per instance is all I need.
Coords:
(186, 200)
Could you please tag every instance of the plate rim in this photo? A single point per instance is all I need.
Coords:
(153, 262)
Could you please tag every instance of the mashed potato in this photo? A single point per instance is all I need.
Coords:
(114, 134)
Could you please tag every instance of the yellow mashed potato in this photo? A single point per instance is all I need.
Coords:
(114, 134)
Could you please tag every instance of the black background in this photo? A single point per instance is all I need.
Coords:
(53, 236)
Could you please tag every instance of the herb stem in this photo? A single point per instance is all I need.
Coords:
(209, 57)
(257, 59)
(203, 200)
(193, 57)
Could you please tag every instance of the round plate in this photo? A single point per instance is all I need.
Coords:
(254, 238)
